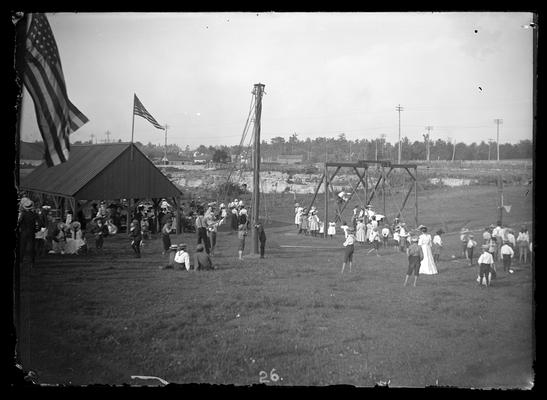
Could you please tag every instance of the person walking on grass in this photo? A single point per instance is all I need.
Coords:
(375, 240)
(360, 231)
(523, 242)
(241, 235)
(100, 231)
(331, 231)
(471, 244)
(201, 230)
(261, 238)
(385, 235)
(136, 237)
(349, 249)
(507, 255)
(463, 241)
(28, 225)
(437, 246)
(415, 256)
(486, 265)
(165, 238)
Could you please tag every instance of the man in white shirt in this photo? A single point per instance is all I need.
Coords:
(485, 261)
(182, 258)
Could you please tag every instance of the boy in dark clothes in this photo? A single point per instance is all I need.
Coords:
(415, 256)
(202, 260)
(261, 237)
(136, 237)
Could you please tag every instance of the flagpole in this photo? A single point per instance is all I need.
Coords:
(18, 264)
(133, 126)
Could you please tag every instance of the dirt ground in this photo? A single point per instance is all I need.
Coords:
(291, 318)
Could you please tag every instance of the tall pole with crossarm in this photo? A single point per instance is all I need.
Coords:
(257, 91)
(399, 109)
(498, 122)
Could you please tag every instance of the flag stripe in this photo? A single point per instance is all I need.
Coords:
(45, 121)
(43, 77)
(45, 105)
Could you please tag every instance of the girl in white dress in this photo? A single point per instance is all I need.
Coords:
(427, 266)
(331, 231)
(75, 241)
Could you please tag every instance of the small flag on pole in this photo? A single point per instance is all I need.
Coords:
(43, 77)
(138, 109)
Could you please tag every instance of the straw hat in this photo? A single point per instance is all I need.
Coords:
(26, 203)
(182, 246)
(422, 227)
(484, 247)
(414, 238)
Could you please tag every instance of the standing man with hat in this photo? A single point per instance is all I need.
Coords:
(28, 223)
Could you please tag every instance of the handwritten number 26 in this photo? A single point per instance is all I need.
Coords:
(264, 376)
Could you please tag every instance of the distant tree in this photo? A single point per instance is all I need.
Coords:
(221, 156)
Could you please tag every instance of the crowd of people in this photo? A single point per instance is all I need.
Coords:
(501, 243)
(43, 233)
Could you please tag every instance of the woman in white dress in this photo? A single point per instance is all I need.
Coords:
(427, 266)
(361, 231)
(75, 241)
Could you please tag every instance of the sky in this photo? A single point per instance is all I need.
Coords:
(324, 74)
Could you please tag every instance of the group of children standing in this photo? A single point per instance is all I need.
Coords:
(498, 244)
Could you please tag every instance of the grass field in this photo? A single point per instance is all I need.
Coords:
(105, 317)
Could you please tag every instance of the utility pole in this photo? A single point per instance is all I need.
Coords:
(498, 121)
(92, 136)
(489, 145)
(427, 138)
(257, 91)
(349, 156)
(107, 133)
(376, 151)
(399, 109)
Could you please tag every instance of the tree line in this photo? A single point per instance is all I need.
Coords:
(340, 149)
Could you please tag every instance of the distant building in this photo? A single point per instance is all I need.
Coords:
(290, 158)
(31, 153)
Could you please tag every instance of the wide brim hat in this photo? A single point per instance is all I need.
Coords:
(76, 224)
(182, 246)
(484, 247)
(464, 230)
(422, 227)
(414, 238)
(26, 203)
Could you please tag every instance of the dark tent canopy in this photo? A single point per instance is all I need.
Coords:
(101, 171)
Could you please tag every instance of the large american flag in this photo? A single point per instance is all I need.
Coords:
(138, 109)
(43, 77)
